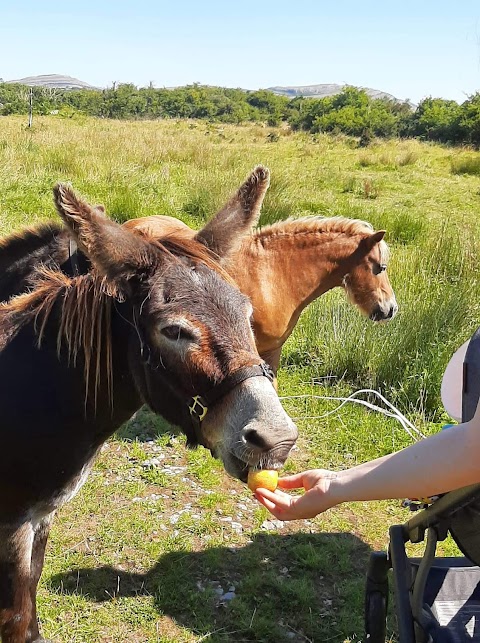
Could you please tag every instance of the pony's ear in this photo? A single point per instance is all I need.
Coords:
(235, 219)
(374, 238)
(114, 251)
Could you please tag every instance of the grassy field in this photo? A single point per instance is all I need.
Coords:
(160, 545)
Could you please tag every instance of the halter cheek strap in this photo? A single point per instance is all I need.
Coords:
(199, 405)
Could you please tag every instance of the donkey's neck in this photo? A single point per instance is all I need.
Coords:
(282, 273)
(46, 421)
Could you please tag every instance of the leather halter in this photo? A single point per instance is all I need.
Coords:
(199, 405)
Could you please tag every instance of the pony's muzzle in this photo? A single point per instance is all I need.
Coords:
(384, 312)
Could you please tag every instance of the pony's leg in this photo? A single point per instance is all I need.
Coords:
(273, 360)
(15, 600)
(38, 556)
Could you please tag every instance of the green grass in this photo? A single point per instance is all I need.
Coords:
(140, 553)
(466, 165)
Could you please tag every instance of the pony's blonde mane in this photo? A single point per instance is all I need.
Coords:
(318, 225)
(315, 224)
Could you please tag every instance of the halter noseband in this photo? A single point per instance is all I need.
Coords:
(198, 405)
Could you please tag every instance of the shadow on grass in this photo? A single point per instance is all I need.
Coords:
(296, 587)
(143, 426)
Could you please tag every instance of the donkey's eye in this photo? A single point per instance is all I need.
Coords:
(176, 332)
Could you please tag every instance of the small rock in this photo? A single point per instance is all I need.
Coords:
(151, 463)
(228, 596)
(272, 524)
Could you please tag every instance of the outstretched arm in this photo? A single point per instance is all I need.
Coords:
(443, 462)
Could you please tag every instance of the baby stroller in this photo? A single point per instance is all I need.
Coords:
(437, 600)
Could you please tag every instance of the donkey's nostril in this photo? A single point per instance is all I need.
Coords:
(254, 438)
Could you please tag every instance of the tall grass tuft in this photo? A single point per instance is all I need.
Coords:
(402, 227)
(282, 200)
(466, 165)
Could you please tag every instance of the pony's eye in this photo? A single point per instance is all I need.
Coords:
(175, 332)
(379, 267)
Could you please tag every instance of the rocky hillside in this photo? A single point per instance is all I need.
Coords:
(322, 91)
(54, 81)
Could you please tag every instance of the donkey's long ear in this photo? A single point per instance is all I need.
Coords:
(114, 251)
(235, 219)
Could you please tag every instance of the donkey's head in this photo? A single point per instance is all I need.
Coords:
(191, 351)
(367, 283)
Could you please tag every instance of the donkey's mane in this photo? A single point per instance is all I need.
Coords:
(180, 246)
(312, 225)
(86, 306)
(84, 319)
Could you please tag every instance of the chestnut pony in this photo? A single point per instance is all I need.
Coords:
(140, 321)
(283, 267)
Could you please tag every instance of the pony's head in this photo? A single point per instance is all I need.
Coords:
(367, 284)
(186, 329)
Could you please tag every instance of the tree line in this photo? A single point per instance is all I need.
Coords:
(350, 112)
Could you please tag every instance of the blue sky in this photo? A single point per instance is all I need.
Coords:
(409, 49)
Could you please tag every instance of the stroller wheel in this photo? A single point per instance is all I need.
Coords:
(375, 617)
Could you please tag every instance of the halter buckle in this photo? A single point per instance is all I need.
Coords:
(267, 371)
(198, 407)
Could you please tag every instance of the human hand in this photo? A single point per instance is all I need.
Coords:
(318, 496)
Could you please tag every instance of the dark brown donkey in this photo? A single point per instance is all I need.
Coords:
(154, 322)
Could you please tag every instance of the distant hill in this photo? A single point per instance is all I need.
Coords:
(54, 81)
(314, 91)
(322, 91)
